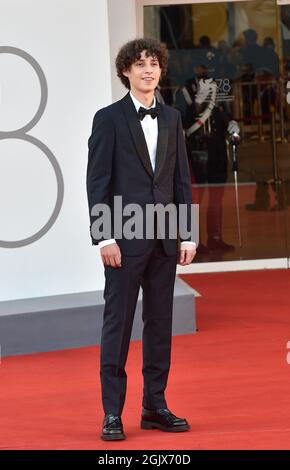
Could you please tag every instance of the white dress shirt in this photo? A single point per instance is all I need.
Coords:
(150, 129)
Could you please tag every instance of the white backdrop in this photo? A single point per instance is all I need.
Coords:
(69, 40)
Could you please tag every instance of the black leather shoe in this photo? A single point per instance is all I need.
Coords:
(112, 428)
(164, 420)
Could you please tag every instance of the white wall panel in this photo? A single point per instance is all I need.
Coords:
(69, 40)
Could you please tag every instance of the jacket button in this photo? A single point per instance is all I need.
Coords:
(155, 186)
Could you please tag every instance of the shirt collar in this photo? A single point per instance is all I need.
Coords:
(138, 105)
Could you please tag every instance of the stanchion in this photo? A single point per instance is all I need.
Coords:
(282, 118)
(274, 144)
(276, 182)
(234, 141)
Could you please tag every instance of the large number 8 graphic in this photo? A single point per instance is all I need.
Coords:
(21, 134)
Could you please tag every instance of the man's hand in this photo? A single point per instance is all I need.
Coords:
(233, 127)
(186, 254)
(205, 87)
(111, 255)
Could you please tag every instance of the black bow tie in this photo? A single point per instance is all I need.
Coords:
(143, 111)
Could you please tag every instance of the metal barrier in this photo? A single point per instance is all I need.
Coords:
(260, 107)
(253, 108)
(251, 104)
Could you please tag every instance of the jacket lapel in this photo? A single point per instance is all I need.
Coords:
(137, 132)
(162, 141)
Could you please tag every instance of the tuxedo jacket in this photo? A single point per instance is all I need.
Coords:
(119, 165)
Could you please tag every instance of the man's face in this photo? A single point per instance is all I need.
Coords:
(144, 74)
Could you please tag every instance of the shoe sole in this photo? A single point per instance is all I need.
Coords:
(113, 437)
(150, 425)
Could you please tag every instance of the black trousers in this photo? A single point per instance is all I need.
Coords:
(155, 272)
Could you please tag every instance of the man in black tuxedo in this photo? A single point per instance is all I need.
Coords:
(137, 151)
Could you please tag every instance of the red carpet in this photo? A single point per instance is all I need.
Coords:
(231, 379)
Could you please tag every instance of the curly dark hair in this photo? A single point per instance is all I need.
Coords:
(131, 52)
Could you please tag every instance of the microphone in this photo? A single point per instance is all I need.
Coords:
(235, 139)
